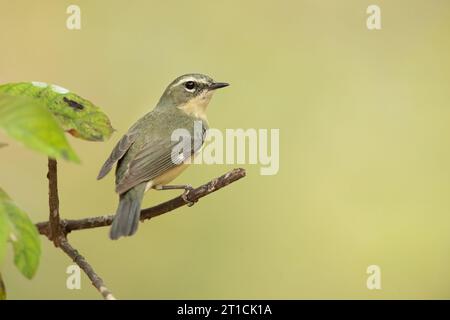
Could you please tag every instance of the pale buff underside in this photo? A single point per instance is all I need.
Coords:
(195, 107)
(166, 177)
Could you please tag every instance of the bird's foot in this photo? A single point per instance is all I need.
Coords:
(187, 189)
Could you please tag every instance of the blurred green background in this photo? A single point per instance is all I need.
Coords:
(364, 140)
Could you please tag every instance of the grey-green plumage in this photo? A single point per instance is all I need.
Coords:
(144, 153)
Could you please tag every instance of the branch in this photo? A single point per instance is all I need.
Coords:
(53, 202)
(86, 267)
(165, 207)
(57, 234)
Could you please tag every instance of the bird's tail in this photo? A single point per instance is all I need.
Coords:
(126, 220)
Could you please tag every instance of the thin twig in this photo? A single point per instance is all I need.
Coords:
(97, 282)
(56, 229)
(53, 201)
(193, 196)
(56, 233)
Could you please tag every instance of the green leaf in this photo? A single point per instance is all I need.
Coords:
(76, 115)
(27, 121)
(24, 236)
(2, 289)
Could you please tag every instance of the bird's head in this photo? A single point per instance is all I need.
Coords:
(190, 93)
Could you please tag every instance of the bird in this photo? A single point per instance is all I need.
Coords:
(144, 155)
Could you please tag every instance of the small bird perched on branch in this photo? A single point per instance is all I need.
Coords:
(144, 155)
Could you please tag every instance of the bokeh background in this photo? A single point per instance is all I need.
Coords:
(364, 151)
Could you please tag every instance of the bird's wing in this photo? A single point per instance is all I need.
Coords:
(157, 157)
(119, 151)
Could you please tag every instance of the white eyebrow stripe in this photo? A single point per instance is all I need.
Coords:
(186, 79)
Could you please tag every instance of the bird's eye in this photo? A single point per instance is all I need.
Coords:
(190, 85)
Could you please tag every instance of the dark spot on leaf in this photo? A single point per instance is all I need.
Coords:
(73, 104)
(73, 132)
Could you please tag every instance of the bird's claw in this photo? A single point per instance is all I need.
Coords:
(187, 190)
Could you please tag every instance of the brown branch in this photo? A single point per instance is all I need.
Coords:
(56, 232)
(56, 229)
(97, 282)
(165, 207)
(53, 202)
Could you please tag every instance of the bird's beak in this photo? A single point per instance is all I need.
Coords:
(218, 85)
